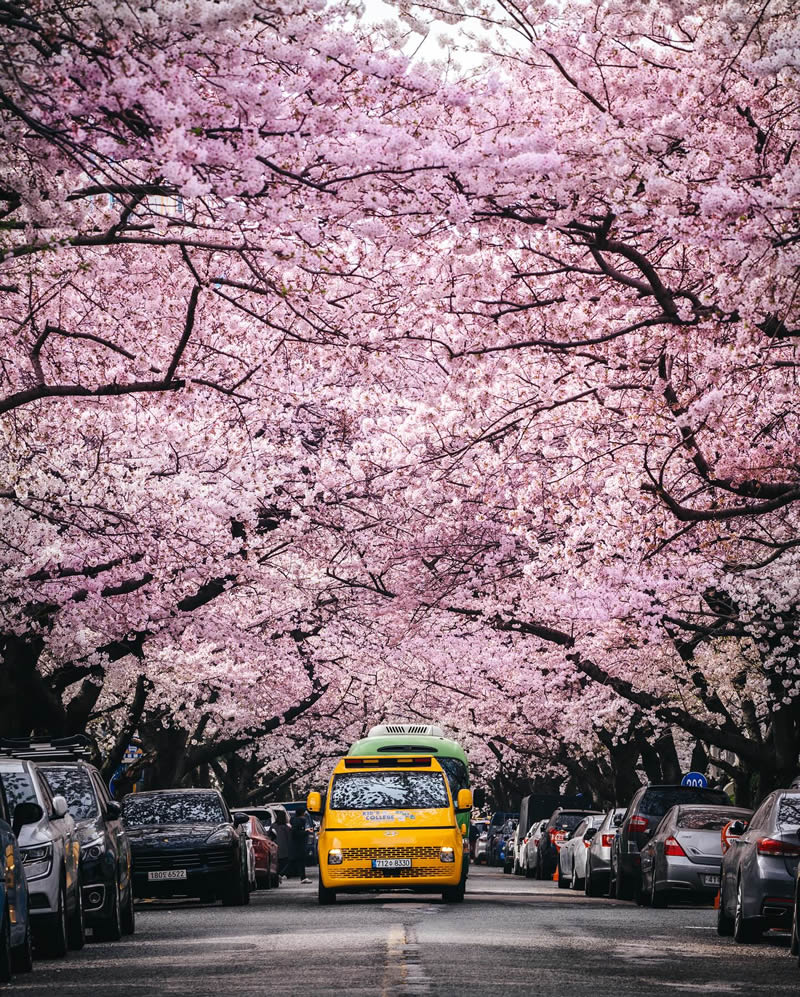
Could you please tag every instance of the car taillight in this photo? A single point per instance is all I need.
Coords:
(638, 824)
(607, 840)
(673, 847)
(772, 846)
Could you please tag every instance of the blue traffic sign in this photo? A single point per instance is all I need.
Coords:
(695, 779)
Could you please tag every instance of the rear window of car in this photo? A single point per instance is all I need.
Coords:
(703, 820)
(789, 812)
(75, 786)
(175, 808)
(18, 786)
(567, 822)
(656, 802)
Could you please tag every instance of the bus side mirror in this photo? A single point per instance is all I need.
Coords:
(464, 799)
(314, 803)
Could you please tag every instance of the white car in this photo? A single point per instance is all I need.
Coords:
(572, 856)
(532, 849)
(48, 841)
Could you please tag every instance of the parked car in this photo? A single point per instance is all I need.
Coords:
(795, 943)
(185, 842)
(532, 870)
(598, 855)
(683, 857)
(107, 890)
(482, 847)
(265, 854)
(759, 870)
(50, 849)
(16, 936)
(560, 825)
(499, 844)
(644, 813)
(476, 829)
(572, 855)
(521, 867)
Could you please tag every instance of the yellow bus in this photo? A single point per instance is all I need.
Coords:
(389, 823)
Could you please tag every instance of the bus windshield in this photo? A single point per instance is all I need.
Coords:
(388, 790)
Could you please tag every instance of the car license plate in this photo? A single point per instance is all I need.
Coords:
(391, 863)
(167, 874)
(711, 880)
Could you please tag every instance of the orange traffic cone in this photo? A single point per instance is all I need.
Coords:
(555, 875)
(716, 901)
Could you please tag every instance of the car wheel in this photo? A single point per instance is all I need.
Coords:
(22, 955)
(563, 882)
(51, 936)
(76, 924)
(745, 929)
(658, 898)
(128, 916)
(795, 948)
(454, 894)
(724, 921)
(325, 895)
(622, 888)
(5, 948)
(110, 928)
(237, 896)
(574, 883)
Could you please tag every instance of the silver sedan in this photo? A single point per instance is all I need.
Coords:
(682, 860)
(759, 870)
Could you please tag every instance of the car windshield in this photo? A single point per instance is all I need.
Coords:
(173, 808)
(567, 822)
(656, 802)
(371, 790)
(789, 812)
(703, 820)
(75, 786)
(19, 788)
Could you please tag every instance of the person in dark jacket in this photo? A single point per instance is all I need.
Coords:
(283, 838)
(298, 826)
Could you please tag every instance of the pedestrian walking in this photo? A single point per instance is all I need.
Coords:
(283, 838)
(299, 836)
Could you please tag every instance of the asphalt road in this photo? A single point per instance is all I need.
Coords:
(510, 936)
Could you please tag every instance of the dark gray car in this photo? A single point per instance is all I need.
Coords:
(682, 860)
(759, 869)
(644, 813)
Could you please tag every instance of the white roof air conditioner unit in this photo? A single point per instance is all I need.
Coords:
(386, 730)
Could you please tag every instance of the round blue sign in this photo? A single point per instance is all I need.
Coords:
(696, 779)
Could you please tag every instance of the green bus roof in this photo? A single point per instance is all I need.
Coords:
(422, 744)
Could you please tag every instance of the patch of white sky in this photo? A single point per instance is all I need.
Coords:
(431, 40)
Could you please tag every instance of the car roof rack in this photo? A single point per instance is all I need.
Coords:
(77, 748)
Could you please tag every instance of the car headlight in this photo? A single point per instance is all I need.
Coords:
(335, 856)
(37, 860)
(222, 836)
(447, 854)
(93, 849)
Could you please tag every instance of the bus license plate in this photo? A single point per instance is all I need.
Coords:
(391, 863)
(167, 874)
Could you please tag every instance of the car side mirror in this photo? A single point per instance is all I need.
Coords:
(26, 813)
(60, 808)
(464, 799)
(736, 829)
(113, 810)
(617, 820)
(239, 819)
(314, 803)
(590, 833)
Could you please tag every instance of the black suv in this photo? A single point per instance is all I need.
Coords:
(105, 861)
(644, 813)
(185, 842)
(560, 826)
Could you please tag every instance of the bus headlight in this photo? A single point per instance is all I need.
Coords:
(335, 856)
(447, 854)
